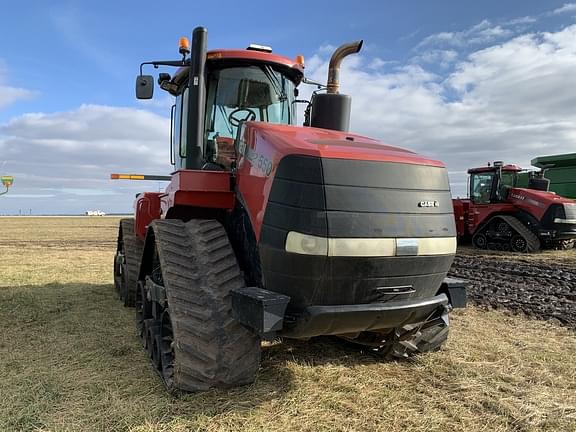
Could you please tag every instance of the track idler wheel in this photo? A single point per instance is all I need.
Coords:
(518, 244)
(480, 241)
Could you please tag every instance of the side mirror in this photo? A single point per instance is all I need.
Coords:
(144, 86)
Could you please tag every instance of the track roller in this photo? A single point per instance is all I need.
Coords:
(143, 309)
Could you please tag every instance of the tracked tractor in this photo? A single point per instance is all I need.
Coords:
(271, 230)
(498, 215)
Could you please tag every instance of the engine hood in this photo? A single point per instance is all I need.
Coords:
(537, 203)
(333, 144)
(537, 198)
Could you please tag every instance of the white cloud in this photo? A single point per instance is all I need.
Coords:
(443, 58)
(521, 20)
(566, 8)
(481, 33)
(512, 101)
(10, 94)
(61, 162)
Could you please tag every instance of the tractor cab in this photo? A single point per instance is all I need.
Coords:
(491, 184)
(237, 86)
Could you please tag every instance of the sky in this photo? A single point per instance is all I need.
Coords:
(465, 82)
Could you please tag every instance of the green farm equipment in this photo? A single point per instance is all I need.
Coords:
(7, 181)
(560, 170)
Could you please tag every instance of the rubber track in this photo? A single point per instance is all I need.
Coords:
(531, 239)
(133, 248)
(199, 270)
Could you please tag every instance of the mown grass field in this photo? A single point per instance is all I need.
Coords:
(70, 360)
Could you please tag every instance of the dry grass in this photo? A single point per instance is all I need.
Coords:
(70, 360)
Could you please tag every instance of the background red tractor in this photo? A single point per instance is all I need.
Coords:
(500, 216)
(269, 229)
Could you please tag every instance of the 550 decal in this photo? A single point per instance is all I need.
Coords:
(259, 161)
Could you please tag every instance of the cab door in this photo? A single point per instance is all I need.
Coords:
(481, 186)
(179, 129)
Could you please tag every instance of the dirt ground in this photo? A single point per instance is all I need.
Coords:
(541, 285)
(70, 359)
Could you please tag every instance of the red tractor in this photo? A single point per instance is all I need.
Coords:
(500, 216)
(269, 230)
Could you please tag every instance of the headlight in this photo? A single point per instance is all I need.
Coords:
(306, 244)
(368, 247)
(362, 247)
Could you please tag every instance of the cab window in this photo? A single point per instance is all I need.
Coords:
(184, 124)
(248, 93)
(507, 181)
(481, 187)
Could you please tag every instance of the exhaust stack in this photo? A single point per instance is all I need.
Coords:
(331, 110)
(335, 62)
(196, 100)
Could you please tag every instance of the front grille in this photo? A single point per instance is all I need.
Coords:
(340, 198)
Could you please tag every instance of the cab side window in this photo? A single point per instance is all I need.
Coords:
(184, 123)
(176, 125)
(179, 127)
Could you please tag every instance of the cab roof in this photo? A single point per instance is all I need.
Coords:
(222, 56)
(258, 56)
(508, 168)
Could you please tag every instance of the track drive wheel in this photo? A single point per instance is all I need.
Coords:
(200, 345)
(127, 262)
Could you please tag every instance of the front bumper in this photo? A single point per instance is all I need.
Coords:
(266, 313)
(560, 231)
(343, 319)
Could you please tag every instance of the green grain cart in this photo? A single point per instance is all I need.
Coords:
(559, 169)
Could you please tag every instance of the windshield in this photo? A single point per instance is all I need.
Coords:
(247, 93)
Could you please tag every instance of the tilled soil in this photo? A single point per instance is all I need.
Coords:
(540, 286)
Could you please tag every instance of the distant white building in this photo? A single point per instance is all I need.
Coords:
(95, 213)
